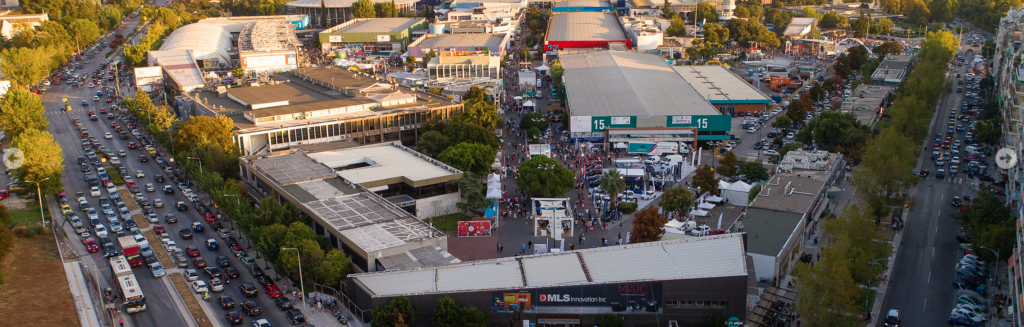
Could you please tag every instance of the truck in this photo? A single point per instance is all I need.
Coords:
(131, 250)
(117, 40)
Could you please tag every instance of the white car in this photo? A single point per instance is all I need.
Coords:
(95, 191)
(139, 174)
(751, 130)
(702, 230)
(108, 135)
(200, 287)
(190, 274)
(100, 230)
(771, 153)
(963, 312)
(140, 239)
(158, 269)
(158, 203)
(216, 285)
(111, 189)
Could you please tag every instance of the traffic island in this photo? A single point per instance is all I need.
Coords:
(198, 314)
(158, 248)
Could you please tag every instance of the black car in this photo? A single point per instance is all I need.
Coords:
(255, 271)
(170, 218)
(226, 302)
(234, 317)
(168, 189)
(283, 302)
(143, 158)
(923, 173)
(956, 202)
(295, 316)
(223, 261)
(110, 250)
(82, 161)
(231, 272)
(181, 206)
(158, 178)
(964, 238)
(248, 289)
(265, 280)
(86, 168)
(185, 233)
(251, 308)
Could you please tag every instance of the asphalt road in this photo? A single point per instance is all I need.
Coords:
(921, 282)
(161, 308)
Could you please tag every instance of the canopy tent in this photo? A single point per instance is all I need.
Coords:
(493, 178)
(737, 193)
(543, 68)
(621, 145)
(494, 194)
(713, 199)
(672, 223)
(723, 184)
(699, 213)
(706, 206)
(528, 103)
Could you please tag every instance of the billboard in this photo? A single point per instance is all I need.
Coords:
(264, 61)
(149, 78)
(587, 124)
(154, 71)
(334, 38)
(383, 38)
(474, 228)
(618, 298)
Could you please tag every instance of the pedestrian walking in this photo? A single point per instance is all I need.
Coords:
(497, 246)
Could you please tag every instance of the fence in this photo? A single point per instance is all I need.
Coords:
(333, 294)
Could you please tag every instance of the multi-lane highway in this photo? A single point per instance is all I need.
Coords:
(162, 307)
(921, 285)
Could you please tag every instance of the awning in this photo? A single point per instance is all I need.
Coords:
(672, 223)
(378, 188)
(621, 145)
(706, 206)
(699, 213)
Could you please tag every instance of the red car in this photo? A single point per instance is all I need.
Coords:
(199, 262)
(90, 245)
(273, 291)
(4, 194)
(132, 145)
(192, 251)
(210, 218)
(129, 183)
(159, 229)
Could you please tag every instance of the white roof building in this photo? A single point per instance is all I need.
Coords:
(207, 42)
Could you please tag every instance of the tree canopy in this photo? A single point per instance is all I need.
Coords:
(544, 177)
(449, 314)
(647, 225)
(20, 111)
(400, 309)
(678, 199)
(469, 157)
(43, 159)
(705, 180)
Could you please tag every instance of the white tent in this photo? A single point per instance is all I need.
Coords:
(723, 185)
(699, 213)
(528, 103)
(713, 199)
(493, 178)
(706, 206)
(621, 145)
(737, 193)
(494, 193)
(672, 223)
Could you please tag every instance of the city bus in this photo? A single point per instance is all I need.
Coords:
(134, 301)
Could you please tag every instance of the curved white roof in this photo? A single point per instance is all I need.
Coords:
(207, 41)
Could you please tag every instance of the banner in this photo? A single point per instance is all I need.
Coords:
(619, 298)
(474, 228)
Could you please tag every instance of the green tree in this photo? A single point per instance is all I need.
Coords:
(238, 73)
(809, 13)
(782, 122)
(467, 132)
(727, 166)
(324, 21)
(860, 26)
(449, 314)
(647, 225)
(481, 112)
(473, 190)
(544, 177)
(21, 110)
(25, 66)
(667, 12)
(826, 292)
(335, 267)
(533, 119)
(715, 34)
(677, 28)
(273, 211)
(890, 47)
(363, 9)
(892, 6)
(754, 171)
(866, 243)
(84, 31)
(400, 308)
(43, 159)
(611, 320)
(717, 320)
(834, 130)
(704, 180)
(678, 200)
(943, 10)
(202, 130)
(832, 19)
(706, 12)
(469, 157)
(384, 9)
(991, 223)
(886, 173)
(433, 143)
(613, 183)
(882, 26)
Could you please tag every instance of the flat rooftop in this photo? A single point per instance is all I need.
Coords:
(585, 26)
(651, 261)
(616, 83)
(865, 101)
(769, 230)
(444, 41)
(379, 25)
(799, 178)
(384, 164)
(583, 3)
(362, 217)
(719, 85)
(288, 97)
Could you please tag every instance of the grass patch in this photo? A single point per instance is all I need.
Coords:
(115, 176)
(29, 215)
(36, 292)
(129, 200)
(158, 249)
(141, 220)
(449, 222)
(190, 300)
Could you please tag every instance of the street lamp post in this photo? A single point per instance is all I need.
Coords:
(301, 282)
(994, 272)
(866, 298)
(200, 163)
(42, 216)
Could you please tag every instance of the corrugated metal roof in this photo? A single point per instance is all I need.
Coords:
(585, 26)
(616, 83)
(720, 256)
(488, 274)
(538, 270)
(421, 281)
(719, 85)
(640, 263)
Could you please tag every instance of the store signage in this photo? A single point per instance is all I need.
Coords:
(587, 124)
(334, 38)
(384, 38)
(621, 298)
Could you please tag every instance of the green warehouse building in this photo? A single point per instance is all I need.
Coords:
(373, 34)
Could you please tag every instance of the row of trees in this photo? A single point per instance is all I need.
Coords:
(401, 313)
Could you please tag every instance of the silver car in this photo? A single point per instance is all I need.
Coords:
(158, 269)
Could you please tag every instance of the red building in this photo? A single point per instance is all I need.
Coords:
(584, 30)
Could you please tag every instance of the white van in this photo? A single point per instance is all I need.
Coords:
(668, 147)
(971, 149)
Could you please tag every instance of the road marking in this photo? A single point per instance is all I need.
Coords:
(929, 277)
(933, 255)
(925, 305)
(936, 229)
